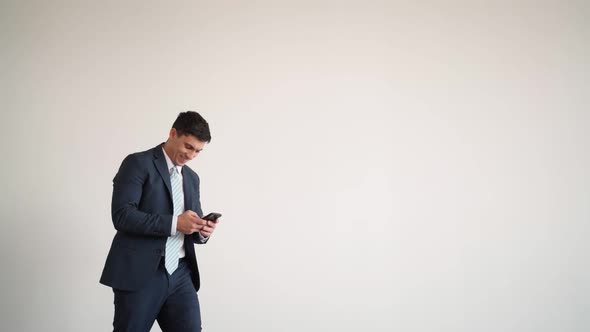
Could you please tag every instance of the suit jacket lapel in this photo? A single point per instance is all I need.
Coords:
(162, 167)
(188, 192)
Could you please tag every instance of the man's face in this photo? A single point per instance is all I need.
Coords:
(182, 148)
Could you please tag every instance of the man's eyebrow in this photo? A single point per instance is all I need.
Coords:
(193, 148)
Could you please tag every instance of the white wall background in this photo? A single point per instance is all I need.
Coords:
(381, 166)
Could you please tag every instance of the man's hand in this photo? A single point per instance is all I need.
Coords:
(209, 227)
(189, 222)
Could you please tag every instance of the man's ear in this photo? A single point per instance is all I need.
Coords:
(172, 133)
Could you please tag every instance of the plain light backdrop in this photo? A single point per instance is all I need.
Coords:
(381, 166)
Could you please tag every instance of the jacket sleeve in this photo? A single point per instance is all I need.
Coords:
(127, 192)
(197, 237)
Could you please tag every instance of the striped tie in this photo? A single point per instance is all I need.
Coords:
(174, 243)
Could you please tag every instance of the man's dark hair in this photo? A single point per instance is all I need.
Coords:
(192, 123)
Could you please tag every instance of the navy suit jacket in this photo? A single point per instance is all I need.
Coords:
(142, 211)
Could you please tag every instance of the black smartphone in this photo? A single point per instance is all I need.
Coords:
(212, 216)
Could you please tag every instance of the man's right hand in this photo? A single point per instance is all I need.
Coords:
(189, 222)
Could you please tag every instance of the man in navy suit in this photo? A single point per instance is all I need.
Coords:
(156, 211)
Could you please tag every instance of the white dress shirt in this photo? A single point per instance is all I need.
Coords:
(170, 164)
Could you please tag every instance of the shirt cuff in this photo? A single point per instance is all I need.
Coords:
(174, 222)
(202, 238)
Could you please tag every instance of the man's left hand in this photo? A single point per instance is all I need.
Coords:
(209, 227)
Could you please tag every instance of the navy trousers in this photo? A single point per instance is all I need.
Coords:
(169, 299)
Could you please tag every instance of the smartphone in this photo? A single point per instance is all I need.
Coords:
(212, 216)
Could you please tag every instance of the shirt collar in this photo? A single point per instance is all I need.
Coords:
(170, 164)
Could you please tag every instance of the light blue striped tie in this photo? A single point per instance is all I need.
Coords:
(174, 243)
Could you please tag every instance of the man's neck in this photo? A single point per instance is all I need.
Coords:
(167, 152)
